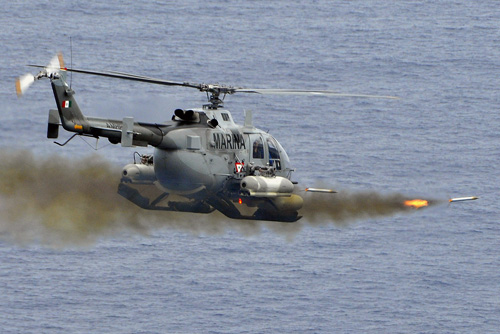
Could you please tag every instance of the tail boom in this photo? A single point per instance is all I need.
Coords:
(73, 120)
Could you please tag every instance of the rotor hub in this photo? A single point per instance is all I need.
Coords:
(215, 92)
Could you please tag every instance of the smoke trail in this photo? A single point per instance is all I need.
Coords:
(346, 206)
(57, 201)
(49, 199)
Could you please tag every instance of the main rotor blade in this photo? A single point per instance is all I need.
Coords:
(133, 77)
(128, 76)
(217, 89)
(308, 92)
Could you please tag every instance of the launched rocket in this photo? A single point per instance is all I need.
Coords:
(463, 199)
(321, 190)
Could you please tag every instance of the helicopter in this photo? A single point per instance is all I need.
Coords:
(202, 160)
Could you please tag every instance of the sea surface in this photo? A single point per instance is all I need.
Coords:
(435, 270)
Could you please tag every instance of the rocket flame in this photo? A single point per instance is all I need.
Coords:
(416, 203)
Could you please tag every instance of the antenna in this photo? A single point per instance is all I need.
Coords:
(70, 61)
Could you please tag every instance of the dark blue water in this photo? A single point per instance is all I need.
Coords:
(432, 271)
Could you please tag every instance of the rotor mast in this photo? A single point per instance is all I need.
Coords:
(214, 93)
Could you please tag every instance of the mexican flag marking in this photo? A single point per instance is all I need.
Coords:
(66, 104)
(239, 166)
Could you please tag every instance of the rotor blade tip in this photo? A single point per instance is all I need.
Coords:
(19, 92)
(61, 60)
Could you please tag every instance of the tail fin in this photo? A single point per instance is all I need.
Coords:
(72, 118)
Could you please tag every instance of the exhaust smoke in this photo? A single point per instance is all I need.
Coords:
(58, 201)
(346, 206)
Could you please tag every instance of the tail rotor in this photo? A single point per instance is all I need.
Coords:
(23, 83)
(51, 70)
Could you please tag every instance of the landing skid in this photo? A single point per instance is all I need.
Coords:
(147, 196)
(230, 210)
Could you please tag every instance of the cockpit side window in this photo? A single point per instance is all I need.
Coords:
(274, 154)
(258, 149)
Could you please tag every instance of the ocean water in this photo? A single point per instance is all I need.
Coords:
(430, 271)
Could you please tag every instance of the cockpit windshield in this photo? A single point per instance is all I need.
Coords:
(274, 154)
(258, 149)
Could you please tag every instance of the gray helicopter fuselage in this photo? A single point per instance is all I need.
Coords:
(196, 158)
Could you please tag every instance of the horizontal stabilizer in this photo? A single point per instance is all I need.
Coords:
(128, 132)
